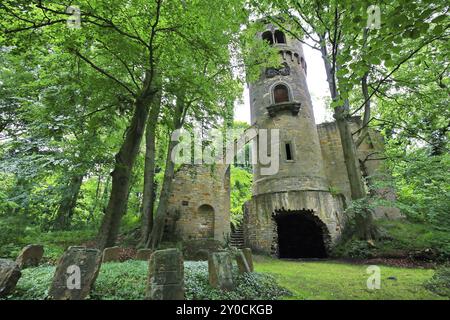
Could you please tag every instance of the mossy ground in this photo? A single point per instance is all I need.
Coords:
(329, 280)
(274, 279)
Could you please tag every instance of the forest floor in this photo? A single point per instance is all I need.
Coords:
(274, 279)
(337, 280)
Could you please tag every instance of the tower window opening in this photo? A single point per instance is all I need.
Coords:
(280, 37)
(268, 36)
(289, 55)
(289, 155)
(297, 57)
(281, 94)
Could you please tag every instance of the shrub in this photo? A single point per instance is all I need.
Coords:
(249, 286)
(12, 230)
(356, 249)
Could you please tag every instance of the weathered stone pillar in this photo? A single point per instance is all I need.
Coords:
(249, 257)
(166, 275)
(144, 254)
(30, 256)
(75, 274)
(9, 275)
(244, 260)
(220, 270)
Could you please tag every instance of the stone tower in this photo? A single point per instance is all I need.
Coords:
(292, 212)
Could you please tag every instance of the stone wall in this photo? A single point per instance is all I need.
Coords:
(371, 148)
(199, 204)
(260, 227)
(301, 184)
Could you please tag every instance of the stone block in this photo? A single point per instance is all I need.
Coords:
(30, 256)
(111, 254)
(220, 270)
(75, 274)
(144, 254)
(199, 249)
(166, 275)
(9, 275)
(249, 257)
(244, 260)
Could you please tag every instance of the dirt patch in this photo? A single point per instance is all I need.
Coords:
(393, 262)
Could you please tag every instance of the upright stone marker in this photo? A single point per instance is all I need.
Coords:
(30, 256)
(242, 263)
(166, 275)
(111, 254)
(220, 270)
(75, 274)
(249, 257)
(144, 254)
(9, 275)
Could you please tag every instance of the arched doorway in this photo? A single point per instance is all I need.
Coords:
(206, 221)
(300, 234)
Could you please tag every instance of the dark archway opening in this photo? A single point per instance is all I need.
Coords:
(301, 234)
(279, 37)
(268, 36)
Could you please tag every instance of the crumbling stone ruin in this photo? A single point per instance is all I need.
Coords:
(298, 211)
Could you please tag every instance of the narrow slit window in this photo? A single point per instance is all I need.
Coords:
(289, 155)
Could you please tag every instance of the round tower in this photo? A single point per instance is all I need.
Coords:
(292, 213)
(280, 99)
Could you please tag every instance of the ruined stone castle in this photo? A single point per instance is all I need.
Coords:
(297, 212)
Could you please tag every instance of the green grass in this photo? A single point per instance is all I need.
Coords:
(409, 236)
(327, 280)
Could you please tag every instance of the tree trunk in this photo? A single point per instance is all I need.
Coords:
(121, 174)
(149, 173)
(97, 194)
(161, 213)
(68, 203)
(341, 114)
(365, 228)
(349, 150)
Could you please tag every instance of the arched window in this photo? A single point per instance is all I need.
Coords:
(268, 36)
(279, 37)
(297, 57)
(281, 94)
